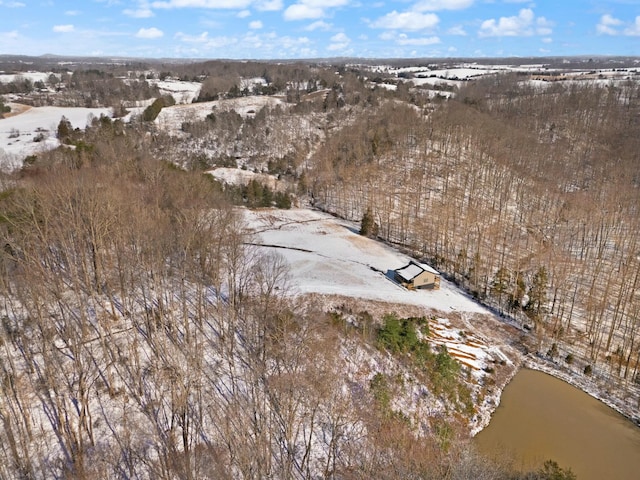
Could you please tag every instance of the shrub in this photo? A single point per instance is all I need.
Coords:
(396, 335)
(380, 390)
(3, 108)
(283, 200)
(552, 471)
(447, 367)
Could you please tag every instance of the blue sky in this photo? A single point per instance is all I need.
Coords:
(270, 29)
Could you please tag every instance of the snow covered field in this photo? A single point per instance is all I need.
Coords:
(171, 118)
(31, 76)
(34, 130)
(327, 256)
(237, 176)
(182, 92)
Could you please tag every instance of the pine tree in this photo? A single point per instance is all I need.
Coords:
(501, 283)
(368, 226)
(515, 298)
(65, 129)
(3, 108)
(537, 295)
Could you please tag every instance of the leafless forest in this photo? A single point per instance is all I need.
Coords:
(143, 336)
(527, 198)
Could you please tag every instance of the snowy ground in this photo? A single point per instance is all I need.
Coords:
(34, 130)
(420, 81)
(31, 76)
(236, 176)
(171, 118)
(182, 92)
(328, 256)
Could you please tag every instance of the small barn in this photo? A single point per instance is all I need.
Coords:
(418, 275)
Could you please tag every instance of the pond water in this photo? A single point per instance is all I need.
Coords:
(542, 418)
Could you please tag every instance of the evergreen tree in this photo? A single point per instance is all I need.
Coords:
(65, 129)
(515, 298)
(501, 283)
(368, 226)
(3, 108)
(535, 308)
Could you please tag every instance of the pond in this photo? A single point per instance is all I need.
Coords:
(542, 418)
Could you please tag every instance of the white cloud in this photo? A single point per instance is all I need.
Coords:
(407, 21)
(325, 3)
(12, 35)
(435, 5)
(108, 2)
(421, 41)
(607, 24)
(63, 28)
(13, 4)
(213, 4)
(72, 13)
(310, 9)
(269, 5)
(152, 32)
(302, 12)
(543, 26)
(269, 44)
(318, 25)
(138, 13)
(457, 30)
(244, 14)
(340, 37)
(202, 38)
(255, 25)
(403, 39)
(339, 41)
(523, 25)
(634, 30)
(547, 40)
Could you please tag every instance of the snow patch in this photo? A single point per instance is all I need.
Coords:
(34, 130)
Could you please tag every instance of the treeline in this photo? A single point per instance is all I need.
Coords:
(81, 88)
(527, 197)
(97, 88)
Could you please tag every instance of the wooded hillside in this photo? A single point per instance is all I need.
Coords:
(527, 196)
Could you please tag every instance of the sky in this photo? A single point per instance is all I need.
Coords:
(279, 29)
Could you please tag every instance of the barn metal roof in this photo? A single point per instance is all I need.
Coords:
(414, 269)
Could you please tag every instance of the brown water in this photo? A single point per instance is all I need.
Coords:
(542, 418)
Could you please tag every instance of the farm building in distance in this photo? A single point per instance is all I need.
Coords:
(418, 275)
